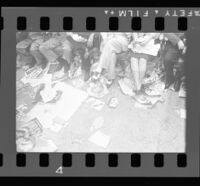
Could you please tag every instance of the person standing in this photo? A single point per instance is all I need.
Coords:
(173, 45)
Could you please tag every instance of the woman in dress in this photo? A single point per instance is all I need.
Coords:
(143, 49)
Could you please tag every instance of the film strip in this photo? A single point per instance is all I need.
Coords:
(163, 162)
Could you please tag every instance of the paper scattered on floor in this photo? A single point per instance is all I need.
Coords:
(64, 108)
(70, 101)
(90, 99)
(126, 86)
(98, 105)
(58, 124)
(56, 127)
(183, 113)
(46, 79)
(98, 89)
(156, 99)
(97, 124)
(44, 145)
(95, 103)
(47, 94)
(155, 89)
(78, 82)
(58, 75)
(113, 103)
(142, 106)
(100, 139)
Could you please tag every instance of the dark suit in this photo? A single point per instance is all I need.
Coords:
(171, 54)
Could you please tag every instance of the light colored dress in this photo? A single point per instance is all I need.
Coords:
(143, 43)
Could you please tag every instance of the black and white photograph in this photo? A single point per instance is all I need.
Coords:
(100, 92)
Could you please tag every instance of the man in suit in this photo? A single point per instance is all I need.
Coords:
(174, 46)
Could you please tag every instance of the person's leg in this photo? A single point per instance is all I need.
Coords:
(135, 71)
(34, 51)
(59, 52)
(169, 60)
(22, 46)
(111, 68)
(85, 66)
(178, 74)
(67, 56)
(139, 68)
(142, 70)
(47, 47)
(108, 56)
(105, 56)
(67, 52)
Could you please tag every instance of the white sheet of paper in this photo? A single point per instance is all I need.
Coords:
(70, 101)
(44, 145)
(64, 108)
(183, 113)
(100, 139)
(48, 94)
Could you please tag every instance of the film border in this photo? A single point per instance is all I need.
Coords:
(101, 167)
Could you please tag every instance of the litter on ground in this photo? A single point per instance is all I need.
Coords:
(100, 139)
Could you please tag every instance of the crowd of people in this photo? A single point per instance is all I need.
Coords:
(97, 54)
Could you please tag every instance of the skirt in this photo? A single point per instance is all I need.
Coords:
(142, 55)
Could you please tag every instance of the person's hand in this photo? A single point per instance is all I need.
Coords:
(90, 41)
(181, 45)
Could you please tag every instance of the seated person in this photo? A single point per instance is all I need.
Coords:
(22, 48)
(117, 44)
(61, 47)
(173, 48)
(143, 49)
(56, 47)
(37, 38)
(92, 53)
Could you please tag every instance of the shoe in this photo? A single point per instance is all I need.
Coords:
(109, 83)
(96, 75)
(140, 98)
(52, 68)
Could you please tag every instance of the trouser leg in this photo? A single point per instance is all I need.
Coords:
(135, 71)
(47, 49)
(34, 51)
(112, 65)
(142, 70)
(169, 60)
